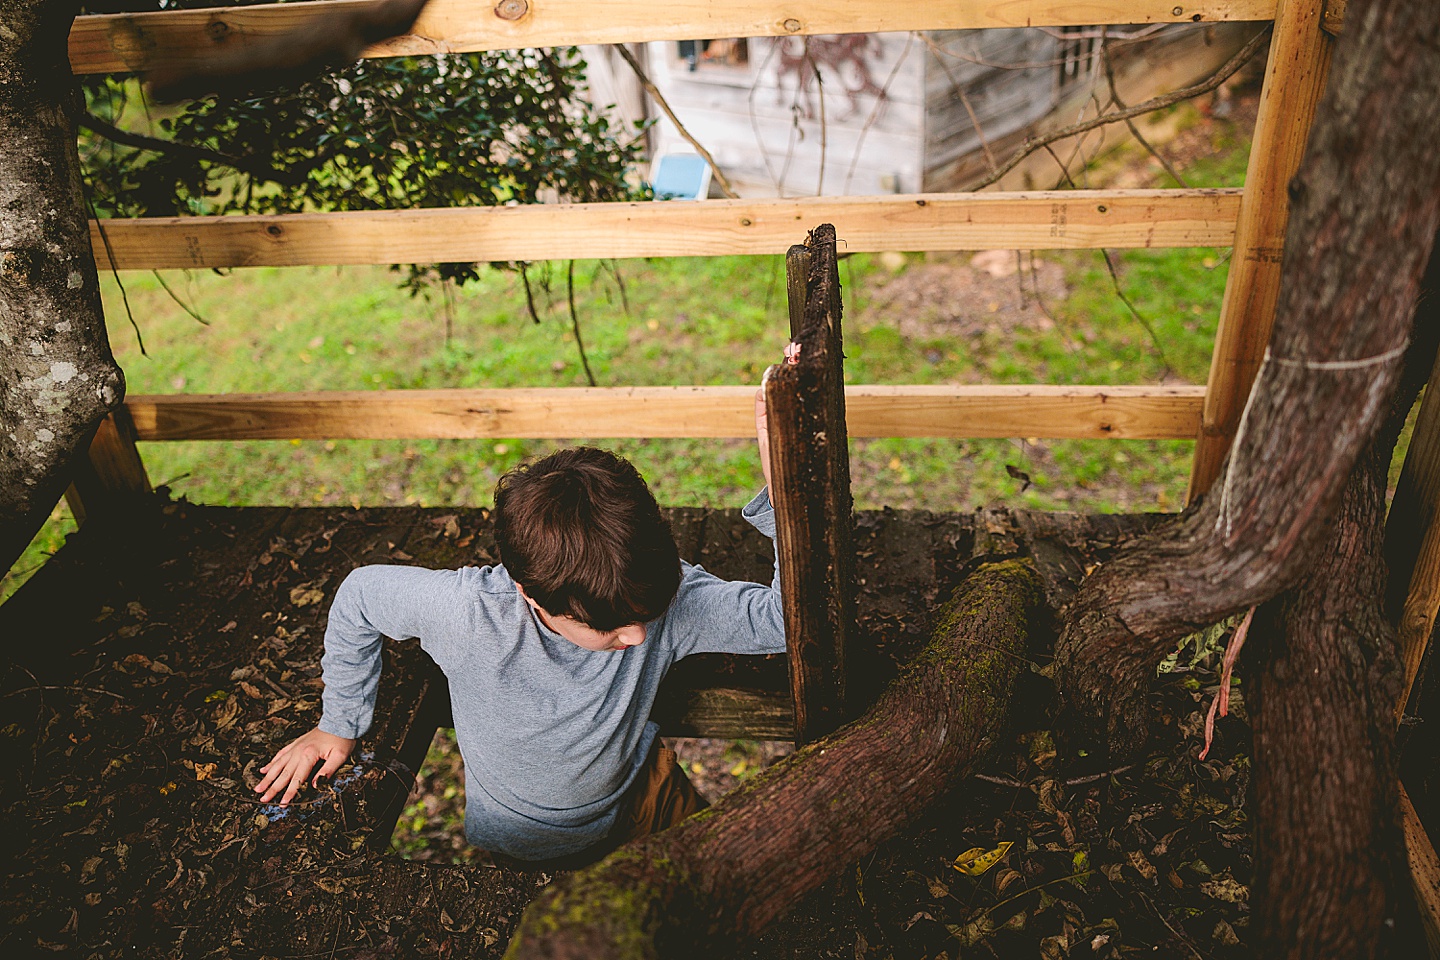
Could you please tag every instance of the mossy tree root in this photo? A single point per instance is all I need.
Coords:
(726, 873)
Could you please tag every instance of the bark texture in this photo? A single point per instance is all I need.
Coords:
(57, 376)
(1329, 856)
(726, 873)
(1364, 209)
(810, 487)
(1330, 867)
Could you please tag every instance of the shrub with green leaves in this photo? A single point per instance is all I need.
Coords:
(450, 130)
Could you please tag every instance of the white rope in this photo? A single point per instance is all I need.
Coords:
(1223, 518)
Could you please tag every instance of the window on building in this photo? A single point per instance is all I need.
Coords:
(713, 53)
(1079, 48)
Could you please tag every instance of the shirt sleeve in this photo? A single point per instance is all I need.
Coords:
(374, 602)
(711, 615)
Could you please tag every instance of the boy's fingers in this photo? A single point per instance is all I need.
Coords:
(332, 763)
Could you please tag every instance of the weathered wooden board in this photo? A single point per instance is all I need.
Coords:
(1081, 412)
(141, 41)
(1075, 219)
(1294, 79)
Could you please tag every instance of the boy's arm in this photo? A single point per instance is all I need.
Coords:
(711, 615)
(372, 603)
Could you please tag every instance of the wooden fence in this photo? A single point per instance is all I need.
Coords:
(1253, 221)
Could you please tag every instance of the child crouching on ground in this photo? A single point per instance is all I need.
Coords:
(553, 658)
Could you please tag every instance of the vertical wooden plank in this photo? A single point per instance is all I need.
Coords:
(810, 487)
(1294, 79)
(112, 474)
(797, 275)
(1412, 539)
(1424, 872)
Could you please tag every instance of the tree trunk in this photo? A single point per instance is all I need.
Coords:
(57, 376)
(724, 874)
(1364, 211)
(1330, 865)
(1329, 856)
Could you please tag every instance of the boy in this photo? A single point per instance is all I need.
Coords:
(553, 658)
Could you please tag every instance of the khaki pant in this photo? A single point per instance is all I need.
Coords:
(660, 797)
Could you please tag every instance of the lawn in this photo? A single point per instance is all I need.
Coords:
(910, 318)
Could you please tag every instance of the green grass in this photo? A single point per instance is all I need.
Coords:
(689, 321)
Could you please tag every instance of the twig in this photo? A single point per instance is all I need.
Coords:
(73, 689)
(1119, 291)
(248, 165)
(651, 89)
(114, 270)
(1155, 103)
(1163, 919)
(820, 92)
(619, 285)
(178, 302)
(964, 100)
(1134, 130)
(575, 321)
(875, 111)
(529, 294)
(1145, 33)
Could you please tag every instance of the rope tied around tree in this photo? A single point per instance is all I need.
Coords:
(1223, 518)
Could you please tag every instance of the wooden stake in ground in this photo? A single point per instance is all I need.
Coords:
(727, 872)
(810, 488)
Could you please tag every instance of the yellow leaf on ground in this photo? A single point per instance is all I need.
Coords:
(977, 860)
(305, 596)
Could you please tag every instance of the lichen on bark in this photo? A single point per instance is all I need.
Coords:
(58, 378)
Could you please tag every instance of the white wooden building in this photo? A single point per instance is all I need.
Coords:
(888, 113)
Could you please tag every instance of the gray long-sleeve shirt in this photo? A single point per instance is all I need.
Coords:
(551, 734)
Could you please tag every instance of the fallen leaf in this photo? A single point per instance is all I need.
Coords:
(305, 596)
(1226, 888)
(251, 691)
(1138, 861)
(227, 713)
(977, 860)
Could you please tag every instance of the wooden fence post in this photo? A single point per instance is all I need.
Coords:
(810, 488)
(1294, 79)
(112, 473)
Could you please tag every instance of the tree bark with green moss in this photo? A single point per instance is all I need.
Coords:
(726, 873)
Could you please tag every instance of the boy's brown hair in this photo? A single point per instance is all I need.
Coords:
(581, 532)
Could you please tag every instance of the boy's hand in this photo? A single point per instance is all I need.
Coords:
(295, 761)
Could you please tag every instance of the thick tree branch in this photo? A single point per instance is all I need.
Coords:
(1364, 211)
(253, 166)
(707, 882)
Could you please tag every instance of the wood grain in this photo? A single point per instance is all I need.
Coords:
(138, 42)
(809, 483)
(1294, 79)
(1073, 219)
(1079, 412)
(1424, 872)
(1412, 522)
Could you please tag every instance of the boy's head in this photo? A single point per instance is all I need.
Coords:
(582, 534)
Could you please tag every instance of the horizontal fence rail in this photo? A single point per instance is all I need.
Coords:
(1037, 220)
(136, 42)
(1056, 412)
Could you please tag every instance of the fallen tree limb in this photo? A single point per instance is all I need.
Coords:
(726, 873)
(1364, 210)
